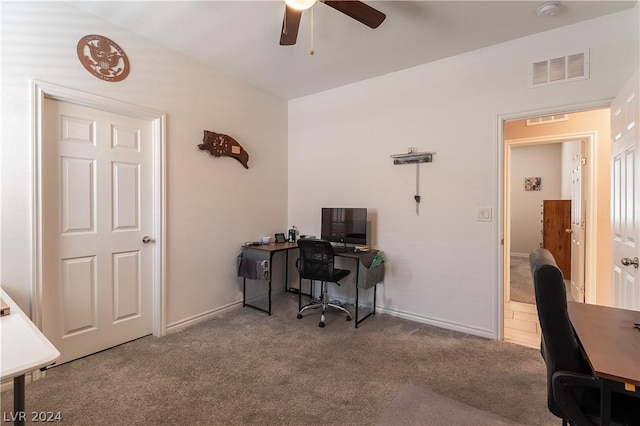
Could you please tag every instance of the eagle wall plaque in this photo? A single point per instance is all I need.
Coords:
(103, 58)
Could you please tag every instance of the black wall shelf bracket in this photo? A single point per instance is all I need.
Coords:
(413, 157)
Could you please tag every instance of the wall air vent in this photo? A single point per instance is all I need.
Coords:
(559, 70)
(547, 119)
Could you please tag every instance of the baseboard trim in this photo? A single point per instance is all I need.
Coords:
(488, 334)
(8, 383)
(523, 255)
(195, 319)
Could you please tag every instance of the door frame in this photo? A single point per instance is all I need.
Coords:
(504, 188)
(43, 90)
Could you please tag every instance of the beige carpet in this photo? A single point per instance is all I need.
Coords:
(245, 367)
(521, 280)
(415, 405)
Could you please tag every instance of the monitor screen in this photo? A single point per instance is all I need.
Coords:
(344, 225)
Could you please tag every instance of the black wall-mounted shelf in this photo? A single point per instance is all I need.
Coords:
(412, 158)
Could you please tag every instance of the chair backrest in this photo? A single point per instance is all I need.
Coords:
(559, 346)
(316, 260)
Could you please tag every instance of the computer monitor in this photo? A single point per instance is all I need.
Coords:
(347, 225)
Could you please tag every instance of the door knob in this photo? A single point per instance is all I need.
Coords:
(626, 262)
(568, 231)
(147, 239)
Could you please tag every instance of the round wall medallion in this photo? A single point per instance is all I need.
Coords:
(103, 58)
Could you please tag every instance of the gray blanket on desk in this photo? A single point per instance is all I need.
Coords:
(254, 265)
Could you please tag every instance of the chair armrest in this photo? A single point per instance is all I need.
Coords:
(570, 394)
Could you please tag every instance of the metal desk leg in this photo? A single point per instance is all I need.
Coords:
(244, 291)
(357, 289)
(375, 289)
(357, 295)
(605, 402)
(269, 297)
(18, 401)
(270, 277)
(286, 270)
(244, 298)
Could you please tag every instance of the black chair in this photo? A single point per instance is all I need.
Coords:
(573, 392)
(316, 263)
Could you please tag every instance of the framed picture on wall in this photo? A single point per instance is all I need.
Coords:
(532, 183)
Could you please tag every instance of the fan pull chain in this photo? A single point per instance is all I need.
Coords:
(311, 52)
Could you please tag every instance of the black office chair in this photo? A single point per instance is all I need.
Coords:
(316, 263)
(573, 392)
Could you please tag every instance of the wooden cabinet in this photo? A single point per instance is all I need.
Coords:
(556, 220)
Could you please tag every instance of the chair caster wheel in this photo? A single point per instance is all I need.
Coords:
(299, 316)
(348, 317)
(321, 324)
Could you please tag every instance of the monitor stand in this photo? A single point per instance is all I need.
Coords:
(340, 249)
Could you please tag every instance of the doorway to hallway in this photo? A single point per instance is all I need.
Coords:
(570, 158)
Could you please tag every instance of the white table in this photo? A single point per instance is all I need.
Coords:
(23, 349)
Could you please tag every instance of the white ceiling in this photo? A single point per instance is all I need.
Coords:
(241, 38)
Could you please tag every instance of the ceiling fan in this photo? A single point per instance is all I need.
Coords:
(355, 9)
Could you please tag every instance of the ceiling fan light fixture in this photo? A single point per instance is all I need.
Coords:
(550, 8)
(300, 4)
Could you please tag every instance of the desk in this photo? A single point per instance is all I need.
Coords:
(274, 248)
(23, 349)
(357, 256)
(271, 249)
(611, 344)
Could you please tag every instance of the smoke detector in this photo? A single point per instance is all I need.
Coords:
(550, 8)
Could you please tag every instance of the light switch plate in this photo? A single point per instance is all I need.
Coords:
(484, 214)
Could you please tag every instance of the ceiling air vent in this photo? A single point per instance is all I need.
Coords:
(559, 70)
(547, 119)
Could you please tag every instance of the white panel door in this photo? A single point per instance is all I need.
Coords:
(625, 207)
(577, 223)
(96, 209)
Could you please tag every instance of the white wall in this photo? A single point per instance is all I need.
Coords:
(442, 266)
(543, 161)
(213, 205)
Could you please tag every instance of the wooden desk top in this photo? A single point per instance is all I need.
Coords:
(354, 254)
(609, 339)
(273, 247)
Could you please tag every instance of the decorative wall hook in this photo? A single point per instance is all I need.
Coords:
(218, 145)
(413, 157)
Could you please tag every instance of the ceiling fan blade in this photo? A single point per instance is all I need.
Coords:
(359, 11)
(290, 25)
